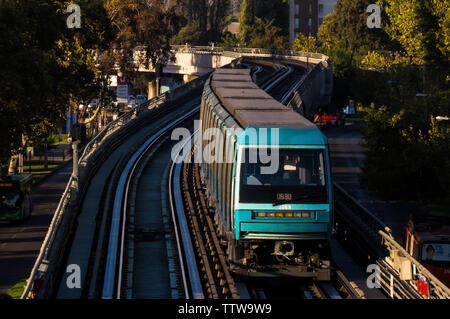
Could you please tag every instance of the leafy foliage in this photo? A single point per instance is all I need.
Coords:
(263, 24)
(204, 21)
(306, 44)
(406, 156)
(190, 33)
(49, 67)
(143, 24)
(421, 27)
(44, 63)
(407, 150)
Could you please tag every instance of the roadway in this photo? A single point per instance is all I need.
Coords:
(20, 243)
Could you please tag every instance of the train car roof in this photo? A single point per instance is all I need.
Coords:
(272, 118)
(231, 77)
(252, 106)
(241, 93)
(233, 105)
(236, 85)
(233, 71)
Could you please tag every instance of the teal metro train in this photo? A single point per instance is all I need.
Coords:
(269, 180)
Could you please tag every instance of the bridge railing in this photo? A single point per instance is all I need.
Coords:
(401, 275)
(253, 51)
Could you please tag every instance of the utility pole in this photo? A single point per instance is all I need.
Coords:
(75, 163)
(307, 41)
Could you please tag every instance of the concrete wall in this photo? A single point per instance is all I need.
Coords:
(188, 63)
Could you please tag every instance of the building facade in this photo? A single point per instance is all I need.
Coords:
(306, 16)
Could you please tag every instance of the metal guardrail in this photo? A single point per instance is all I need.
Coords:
(252, 51)
(409, 268)
(399, 270)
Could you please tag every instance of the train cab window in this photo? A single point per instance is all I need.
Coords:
(300, 177)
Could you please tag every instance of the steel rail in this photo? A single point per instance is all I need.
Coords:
(113, 244)
(178, 213)
(88, 150)
(60, 209)
(119, 213)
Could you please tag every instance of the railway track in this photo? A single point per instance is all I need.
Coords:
(206, 276)
(215, 276)
(211, 252)
(125, 231)
(156, 237)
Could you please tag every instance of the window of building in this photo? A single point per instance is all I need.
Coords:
(320, 8)
(297, 23)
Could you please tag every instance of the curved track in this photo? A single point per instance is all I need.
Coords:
(148, 243)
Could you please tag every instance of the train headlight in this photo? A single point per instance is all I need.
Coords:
(284, 214)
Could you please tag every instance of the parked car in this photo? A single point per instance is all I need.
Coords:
(132, 102)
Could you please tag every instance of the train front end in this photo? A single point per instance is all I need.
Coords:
(283, 201)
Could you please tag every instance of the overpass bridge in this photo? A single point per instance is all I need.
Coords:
(192, 62)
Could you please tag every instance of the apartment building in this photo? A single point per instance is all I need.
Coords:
(306, 16)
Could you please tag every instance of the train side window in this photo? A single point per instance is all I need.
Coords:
(207, 136)
(232, 185)
(224, 171)
(204, 123)
(227, 176)
(229, 157)
(215, 162)
(217, 155)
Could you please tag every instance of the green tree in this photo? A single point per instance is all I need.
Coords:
(259, 24)
(246, 21)
(44, 63)
(346, 29)
(229, 41)
(190, 34)
(143, 32)
(304, 43)
(266, 35)
(276, 10)
(206, 18)
(421, 27)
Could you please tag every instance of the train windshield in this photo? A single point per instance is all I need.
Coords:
(299, 177)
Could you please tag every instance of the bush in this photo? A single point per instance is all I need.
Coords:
(407, 152)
